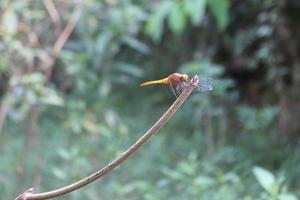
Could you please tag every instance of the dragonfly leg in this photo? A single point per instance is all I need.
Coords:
(174, 91)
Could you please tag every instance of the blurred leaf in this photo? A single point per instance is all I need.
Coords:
(9, 21)
(231, 177)
(52, 98)
(101, 46)
(196, 10)
(129, 69)
(136, 44)
(64, 154)
(287, 197)
(266, 179)
(134, 186)
(188, 168)
(205, 181)
(177, 18)
(173, 174)
(33, 78)
(255, 119)
(90, 126)
(59, 173)
(155, 24)
(220, 10)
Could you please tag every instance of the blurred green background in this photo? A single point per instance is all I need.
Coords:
(66, 112)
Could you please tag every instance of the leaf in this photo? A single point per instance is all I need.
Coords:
(287, 197)
(154, 27)
(265, 178)
(33, 78)
(173, 174)
(129, 69)
(58, 173)
(205, 181)
(9, 21)
(90, 126)
(177, 19)
(196, 10)
(136, 44)
(220, 10)
(102, 46)
(64, 154)
(51, 98)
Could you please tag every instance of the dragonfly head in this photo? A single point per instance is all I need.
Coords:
(184, 77)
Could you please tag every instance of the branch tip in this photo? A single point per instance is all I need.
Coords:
(195, 80)
(25, 194)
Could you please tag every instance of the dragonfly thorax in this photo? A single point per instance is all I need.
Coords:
(177, 76)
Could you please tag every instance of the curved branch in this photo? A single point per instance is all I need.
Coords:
(28, 195)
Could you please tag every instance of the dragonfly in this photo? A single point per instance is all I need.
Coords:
(178, 82)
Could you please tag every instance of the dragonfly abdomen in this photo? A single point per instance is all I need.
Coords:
(164, 81)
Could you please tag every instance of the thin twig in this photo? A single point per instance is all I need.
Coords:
(28, 195)
(53, 13)
(60, 42)
(3, 113)
(35, 137)
(62, 39)
(27, 144)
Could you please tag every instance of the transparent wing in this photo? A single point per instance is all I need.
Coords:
(206, 84)
(177, 87)
(174, 91)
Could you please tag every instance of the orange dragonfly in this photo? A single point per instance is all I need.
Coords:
(178, 82)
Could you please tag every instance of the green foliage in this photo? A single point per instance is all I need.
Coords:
(155, 25)
(257, 119)
(220, 10)
(196, 10)
(177, 13)
(274, 188)
(91, 108)
(177, 18)
(266, 180)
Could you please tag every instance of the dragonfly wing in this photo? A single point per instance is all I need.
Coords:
(206, 84)
(177, 87)
(174, 91)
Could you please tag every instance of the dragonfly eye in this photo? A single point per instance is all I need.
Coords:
(184, 77)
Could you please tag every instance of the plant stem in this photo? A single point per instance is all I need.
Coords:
(28, 195)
